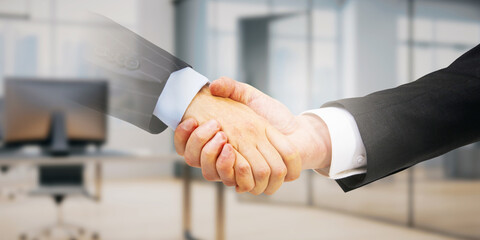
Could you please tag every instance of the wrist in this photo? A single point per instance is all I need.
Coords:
(196, 107)
(179, 90)
(315, 144)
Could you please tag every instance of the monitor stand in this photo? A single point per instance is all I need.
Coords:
(58, 135)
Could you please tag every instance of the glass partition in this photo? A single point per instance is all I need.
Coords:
(447, 188)
(306, 53)
(447, 196)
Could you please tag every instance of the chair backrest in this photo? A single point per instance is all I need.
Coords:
(61, 175)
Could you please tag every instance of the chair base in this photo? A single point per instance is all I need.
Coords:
(69, 231)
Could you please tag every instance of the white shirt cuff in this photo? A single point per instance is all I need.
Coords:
(179, 91)
(348, 152)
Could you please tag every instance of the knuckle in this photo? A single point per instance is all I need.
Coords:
(291, 176)
(262, 172)
(190, 161)
(229, 183)
(270, 192)
(242, 189)
(208, 176)
(223, 167)
(198, 136)
(180, 131)
(245, 187)
(255, 192)
(279, 172)
(243, 170)
(290, 155)
(177, 135)
(208, 154)
(248, 187)
(178, 150)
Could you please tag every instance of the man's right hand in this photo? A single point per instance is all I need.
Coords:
(257, 155)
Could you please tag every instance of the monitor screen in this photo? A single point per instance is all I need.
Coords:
(32, 104)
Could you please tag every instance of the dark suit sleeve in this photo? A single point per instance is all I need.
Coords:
(406, 125)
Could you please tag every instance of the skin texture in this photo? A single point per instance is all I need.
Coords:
(306, 133)
(250, 160)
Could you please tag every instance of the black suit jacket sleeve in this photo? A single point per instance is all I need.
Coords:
(403, 126)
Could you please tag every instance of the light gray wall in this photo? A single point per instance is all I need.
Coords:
(191, 33)
(370, 43)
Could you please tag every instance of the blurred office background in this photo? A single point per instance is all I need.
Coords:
(302, 52)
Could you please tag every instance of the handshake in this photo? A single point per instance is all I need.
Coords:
(244, 138)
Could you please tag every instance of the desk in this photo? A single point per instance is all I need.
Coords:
(12, 159)
(187, 207)
(97, 158)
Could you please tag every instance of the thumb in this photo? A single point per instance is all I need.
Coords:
(237, 91)
(272, 110)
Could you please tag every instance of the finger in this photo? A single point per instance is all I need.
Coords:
(237, 91)
(243, 174)
(197, 140)
(260, 168)
(182, 133)
(277, 168)
(208, 157)
(289, 154)
(222, 87)
(225, 164)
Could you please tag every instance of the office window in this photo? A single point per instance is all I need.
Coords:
(288, 7)
(14, 7)
(70, 51)
(293, 49)
(444, 199)
(358, 54)
(326, 82)
(438, 41)
(288, 63)
(26, 56)
(223, 34)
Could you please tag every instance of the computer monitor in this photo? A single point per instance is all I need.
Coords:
(60, 115)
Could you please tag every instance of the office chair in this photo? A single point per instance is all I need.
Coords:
(58, 120)
(9, 190)
(5, 191)
(59, 182)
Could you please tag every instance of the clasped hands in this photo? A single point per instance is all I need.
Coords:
(244, 138)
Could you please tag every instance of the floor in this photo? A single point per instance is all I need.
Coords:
(151, 209)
